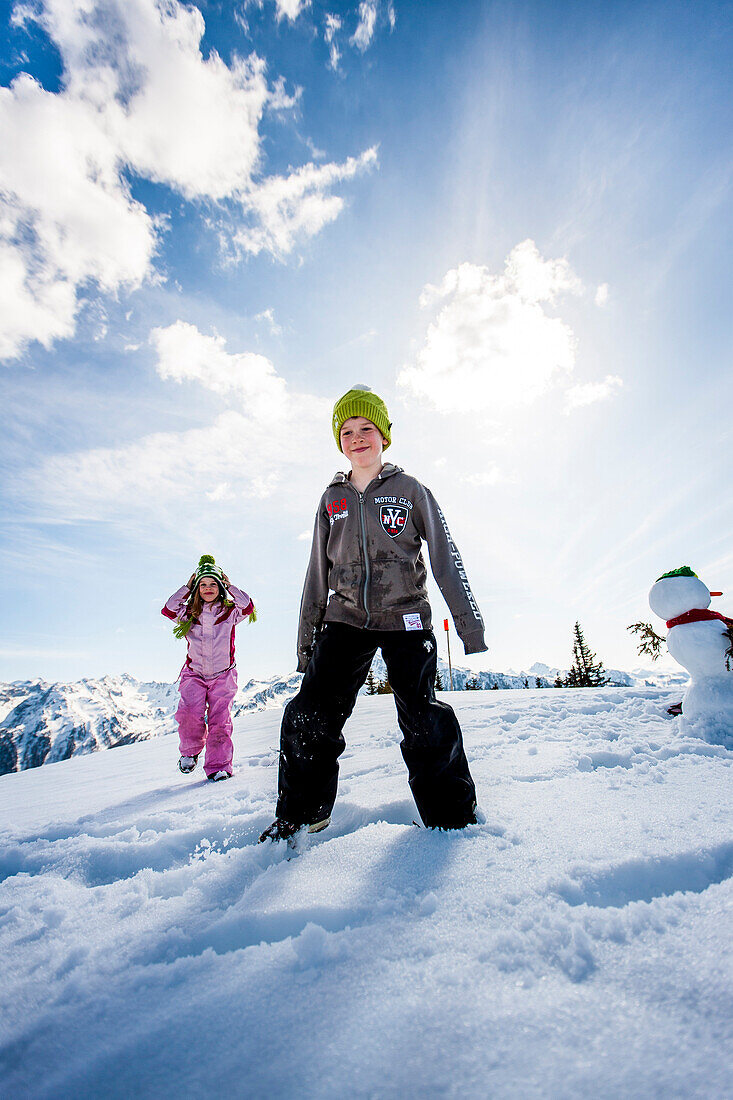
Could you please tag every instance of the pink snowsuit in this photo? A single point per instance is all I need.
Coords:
(208, 678)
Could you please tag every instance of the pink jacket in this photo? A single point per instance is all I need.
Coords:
(210, 644)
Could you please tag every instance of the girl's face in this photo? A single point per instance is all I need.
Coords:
(208, 589)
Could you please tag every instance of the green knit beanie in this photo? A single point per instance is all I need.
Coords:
(207, 567)
(683, 571)
(361, 401)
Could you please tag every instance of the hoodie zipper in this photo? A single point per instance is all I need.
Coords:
(362, 522)
(365, 556)
(362, 527)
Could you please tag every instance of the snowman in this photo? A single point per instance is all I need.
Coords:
(701, 641)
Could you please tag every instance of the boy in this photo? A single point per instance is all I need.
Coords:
(366, 550)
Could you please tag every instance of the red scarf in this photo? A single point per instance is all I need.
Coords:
(698, 615)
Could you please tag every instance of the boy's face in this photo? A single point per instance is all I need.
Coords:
(361, 441)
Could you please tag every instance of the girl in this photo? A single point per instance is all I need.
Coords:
(206, 611)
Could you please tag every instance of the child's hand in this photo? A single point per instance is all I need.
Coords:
(225, 578)
(190, 580)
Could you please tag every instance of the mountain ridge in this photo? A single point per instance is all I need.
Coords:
(43, 723)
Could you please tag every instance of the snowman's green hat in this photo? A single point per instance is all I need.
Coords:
(683, 571)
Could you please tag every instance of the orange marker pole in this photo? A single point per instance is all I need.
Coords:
(450, 666)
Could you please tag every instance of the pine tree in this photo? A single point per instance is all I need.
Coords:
(384, 688)
(585, 671)
(371, 683)
(559, 682)
(438, 680)
(526, 683)
(650, 643)
(473, 684)
(537, 682)
(494, 686)
(729, 651)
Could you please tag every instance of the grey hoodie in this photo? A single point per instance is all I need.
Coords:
(367, 551)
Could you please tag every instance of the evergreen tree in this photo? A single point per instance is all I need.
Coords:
(585, 671)
(438, 680)
(384, 688)
(371, 683)
(650, 643)
(559, 682)
(494, 686)
(537, 682)
(473, 684)
(526, 683)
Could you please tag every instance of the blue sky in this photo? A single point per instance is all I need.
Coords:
(511, 220)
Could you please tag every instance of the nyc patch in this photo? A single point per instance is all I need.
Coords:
(393, 519)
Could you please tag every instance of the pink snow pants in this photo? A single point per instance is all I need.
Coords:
(196, 728)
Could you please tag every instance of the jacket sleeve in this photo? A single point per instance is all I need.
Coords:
(448, 570)
(175, 605)
(243, 604)
(315, 591)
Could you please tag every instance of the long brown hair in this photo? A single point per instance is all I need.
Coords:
(195, 604)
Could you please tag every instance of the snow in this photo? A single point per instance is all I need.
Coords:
(575, 943)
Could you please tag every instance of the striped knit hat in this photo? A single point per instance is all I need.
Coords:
(361, 401)
(207, 567)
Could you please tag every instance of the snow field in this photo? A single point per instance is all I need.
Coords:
(574, 943)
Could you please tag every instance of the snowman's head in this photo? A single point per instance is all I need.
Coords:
(677, 592)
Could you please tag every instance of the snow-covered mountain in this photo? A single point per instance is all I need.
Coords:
(43, 723)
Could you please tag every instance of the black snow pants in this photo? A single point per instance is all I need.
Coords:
(311, 740)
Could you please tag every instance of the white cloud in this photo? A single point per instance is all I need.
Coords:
(284, 9)
(293, 208)
(492, 343)
(138, 96)
(589, 393)
(268, 316)
(369, 16)
(333, 25)
(32, 302)
(221, 492)
(279, 100)
(173, 115)
(490, 476)
(187, 355)
(290, 9)
(601, 298)
(364, 33)
(66, 215)
(247, 453)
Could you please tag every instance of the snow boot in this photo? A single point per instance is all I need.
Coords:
(284, 830)
(450, 826)
(218, 776)
(187, 763)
